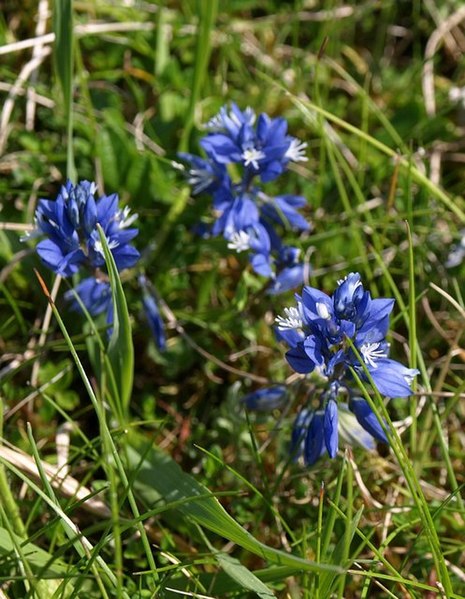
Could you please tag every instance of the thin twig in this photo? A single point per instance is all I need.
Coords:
(8, 106)
(428, 68)
(173, 321)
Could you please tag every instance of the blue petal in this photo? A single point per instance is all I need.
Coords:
(94, 294)
(290, 336)
(331, 428)
(367, 418)
(221, 148)
(392, 378)
(261, 264)
(63, 264)
(125, 256)
(347, 296)
(288, 278)
(154, 319)
(375, 320)
(314, 301)
(266, 399)
(299, 360)
(313, 349)
(314, 441)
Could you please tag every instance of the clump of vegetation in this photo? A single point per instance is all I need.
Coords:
(231, 265)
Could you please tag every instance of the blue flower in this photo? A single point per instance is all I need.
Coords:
(367, 418)
(254, 238)
(246, 217)
(152, 314)
(205, 175)
(326, 322)
(457, 252)
(264, 149)
(95, 294)
(317, 330)
(269, 398)
(72, 240)
(282, 210)
(290, 272)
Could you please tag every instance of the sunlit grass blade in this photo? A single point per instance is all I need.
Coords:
(123, 487)
(206, 10)
(378, 407)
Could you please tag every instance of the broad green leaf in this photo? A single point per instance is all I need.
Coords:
(120, 348)
(243, 576)
(220, 583)
(37, 558)
(158, 477)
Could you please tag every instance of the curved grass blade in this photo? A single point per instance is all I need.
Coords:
(158, 477)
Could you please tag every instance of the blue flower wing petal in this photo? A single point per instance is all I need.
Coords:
(299, 360)
(331, 428)
(392, 378)
(367, 418)
(314, 441)
(266, 399)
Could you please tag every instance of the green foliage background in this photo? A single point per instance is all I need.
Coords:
(146, 76)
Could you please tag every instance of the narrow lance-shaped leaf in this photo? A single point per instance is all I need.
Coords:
(120, 347)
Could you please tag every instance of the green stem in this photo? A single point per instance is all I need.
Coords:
(381, 412)
(207, 10)
(6, 496)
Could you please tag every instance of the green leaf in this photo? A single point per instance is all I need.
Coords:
(63, 48)
(36, 557)
(120, 348)
(158, 477)
(243, 576)
(337, 555)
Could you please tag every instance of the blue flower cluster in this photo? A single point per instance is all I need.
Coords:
(70, 225)
(317, 331)
(72, 243)
(246, 216)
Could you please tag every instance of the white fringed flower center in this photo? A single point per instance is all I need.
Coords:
(291, 320)
(296, 151)
(372, 352)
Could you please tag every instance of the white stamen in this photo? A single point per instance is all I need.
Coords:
(98, 247)
(199, 179)
(125, 220)
(296, 150)
(323, 311)
(240, 241)
(215, 123)
(292, 320)
(252, 156)
(371, 352)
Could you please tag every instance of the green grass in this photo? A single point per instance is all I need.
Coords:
(183, 494)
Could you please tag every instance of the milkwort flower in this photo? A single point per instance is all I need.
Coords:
(72, 241)
(152, 313)
(246, 216)
(317, 331)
